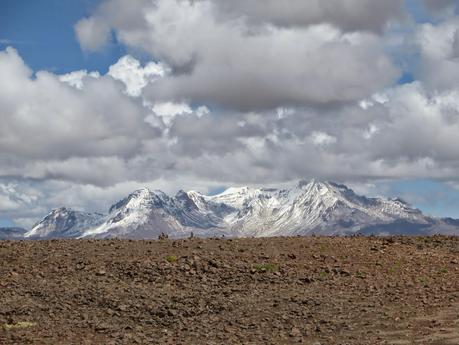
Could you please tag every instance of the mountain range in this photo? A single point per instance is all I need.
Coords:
(320, 208)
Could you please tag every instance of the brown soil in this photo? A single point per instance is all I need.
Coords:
(242, 291)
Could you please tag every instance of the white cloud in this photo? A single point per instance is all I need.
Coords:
(6, 204)
(233, 64)
(169, 110)
(372, 130)
(439, 54)
(134, 76)
(202, 110)
(350, 15)
(76, 78)
(46, 126)
(253, 95)
(92, 33)
(322, 139)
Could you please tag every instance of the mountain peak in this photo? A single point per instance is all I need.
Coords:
(63, 222)
(141, 193)
(140, 198)
(61, 210)
(315, 186)
(315, 206)
(236, 190)
(314, 183)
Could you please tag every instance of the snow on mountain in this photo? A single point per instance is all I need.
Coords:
(313, 207)
(64, 223)
(147, 214)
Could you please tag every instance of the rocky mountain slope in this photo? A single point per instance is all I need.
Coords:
(322, 208)
(64, 223)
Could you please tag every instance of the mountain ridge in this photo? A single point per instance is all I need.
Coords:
(314, 207)
(12, 233)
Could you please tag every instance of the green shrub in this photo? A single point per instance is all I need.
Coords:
(323, 274)
(171, 258)
(266, 267)
(361, 275)
(19, 325)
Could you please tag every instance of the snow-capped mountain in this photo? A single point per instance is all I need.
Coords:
(64, 223)
(147, 214)
(322, 208)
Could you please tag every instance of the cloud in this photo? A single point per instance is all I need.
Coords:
(349, 15)
(93, 34)
(95, 133)
(129, 71)
(439, 52)
(6, 204)
(76, 78)
(169, 110)
(51, 129)
(262, 67)
(440, 5)
(322, 139)
(235, 93)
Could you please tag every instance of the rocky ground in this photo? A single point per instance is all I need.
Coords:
(231, 291)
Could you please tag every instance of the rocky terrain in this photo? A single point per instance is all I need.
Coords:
(309, 290)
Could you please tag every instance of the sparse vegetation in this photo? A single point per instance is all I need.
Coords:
(396, 267)
(323, 274)
(423, 282)
(19, 325)
(361, 275)
(171, 258)
(266, 267)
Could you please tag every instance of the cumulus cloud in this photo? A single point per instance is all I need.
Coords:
(322, 139)
(235, 93)
(169, 110)
(17, 199)
(349, 15)
(134, 76)
(438, 46)
(76, 78)
(6, 204)
(440, 5)
(261, 67)
(93, 34)
(47, 123)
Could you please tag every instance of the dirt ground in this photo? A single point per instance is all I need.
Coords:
(231, 291)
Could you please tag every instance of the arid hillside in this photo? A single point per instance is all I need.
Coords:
(309, 290)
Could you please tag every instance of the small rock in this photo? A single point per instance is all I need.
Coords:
(307, 280)
(295, 332)
(345, 273)
(214, 263)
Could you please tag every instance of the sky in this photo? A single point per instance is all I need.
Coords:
(102, 97)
